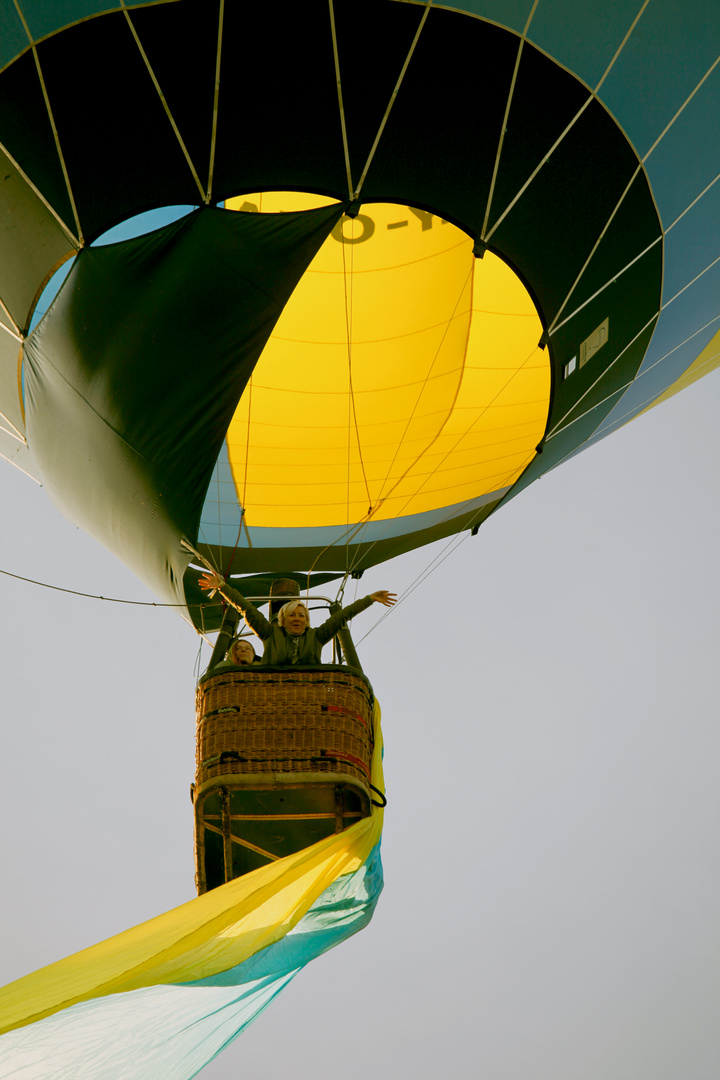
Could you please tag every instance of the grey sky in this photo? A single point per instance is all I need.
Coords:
(550, 709)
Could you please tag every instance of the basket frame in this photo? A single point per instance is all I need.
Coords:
(261, 733)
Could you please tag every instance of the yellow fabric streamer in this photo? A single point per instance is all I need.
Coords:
(207, 935)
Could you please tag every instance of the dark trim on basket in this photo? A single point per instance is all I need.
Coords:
(228, 756)
(382, 804)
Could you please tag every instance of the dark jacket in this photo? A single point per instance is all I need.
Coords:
(279, 645)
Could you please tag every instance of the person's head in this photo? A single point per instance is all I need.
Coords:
(241, 652)
(294, 617)
(285, 589)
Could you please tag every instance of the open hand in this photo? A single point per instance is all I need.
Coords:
(384, 597)
(210, 580)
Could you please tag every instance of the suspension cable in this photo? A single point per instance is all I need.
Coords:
(96, 596)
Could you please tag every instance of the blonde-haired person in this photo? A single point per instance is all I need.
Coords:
(292, 640)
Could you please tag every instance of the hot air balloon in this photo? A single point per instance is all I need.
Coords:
(426, 256)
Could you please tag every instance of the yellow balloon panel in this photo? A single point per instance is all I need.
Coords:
(403, 376)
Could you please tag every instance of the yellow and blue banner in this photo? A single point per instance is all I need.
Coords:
(165, 997)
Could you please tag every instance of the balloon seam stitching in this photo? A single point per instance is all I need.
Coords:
(216, 102)
(595, 246)
(163, 100)
(341, 107)
(555, 430)
(51, 117)
(393, 98)
(76, 243)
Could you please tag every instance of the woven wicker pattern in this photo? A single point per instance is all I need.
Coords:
(260, 722)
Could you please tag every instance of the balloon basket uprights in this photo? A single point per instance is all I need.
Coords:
(283, 760)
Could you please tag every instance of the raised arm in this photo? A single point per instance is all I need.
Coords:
(384, 597)
(327, 630)
(254, 618)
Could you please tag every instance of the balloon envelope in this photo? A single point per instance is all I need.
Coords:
(512, 248)
(528, 260)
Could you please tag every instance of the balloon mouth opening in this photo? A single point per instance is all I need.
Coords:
(404, 376)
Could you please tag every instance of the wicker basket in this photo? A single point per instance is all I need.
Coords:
(283, 759)
(279, 721)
